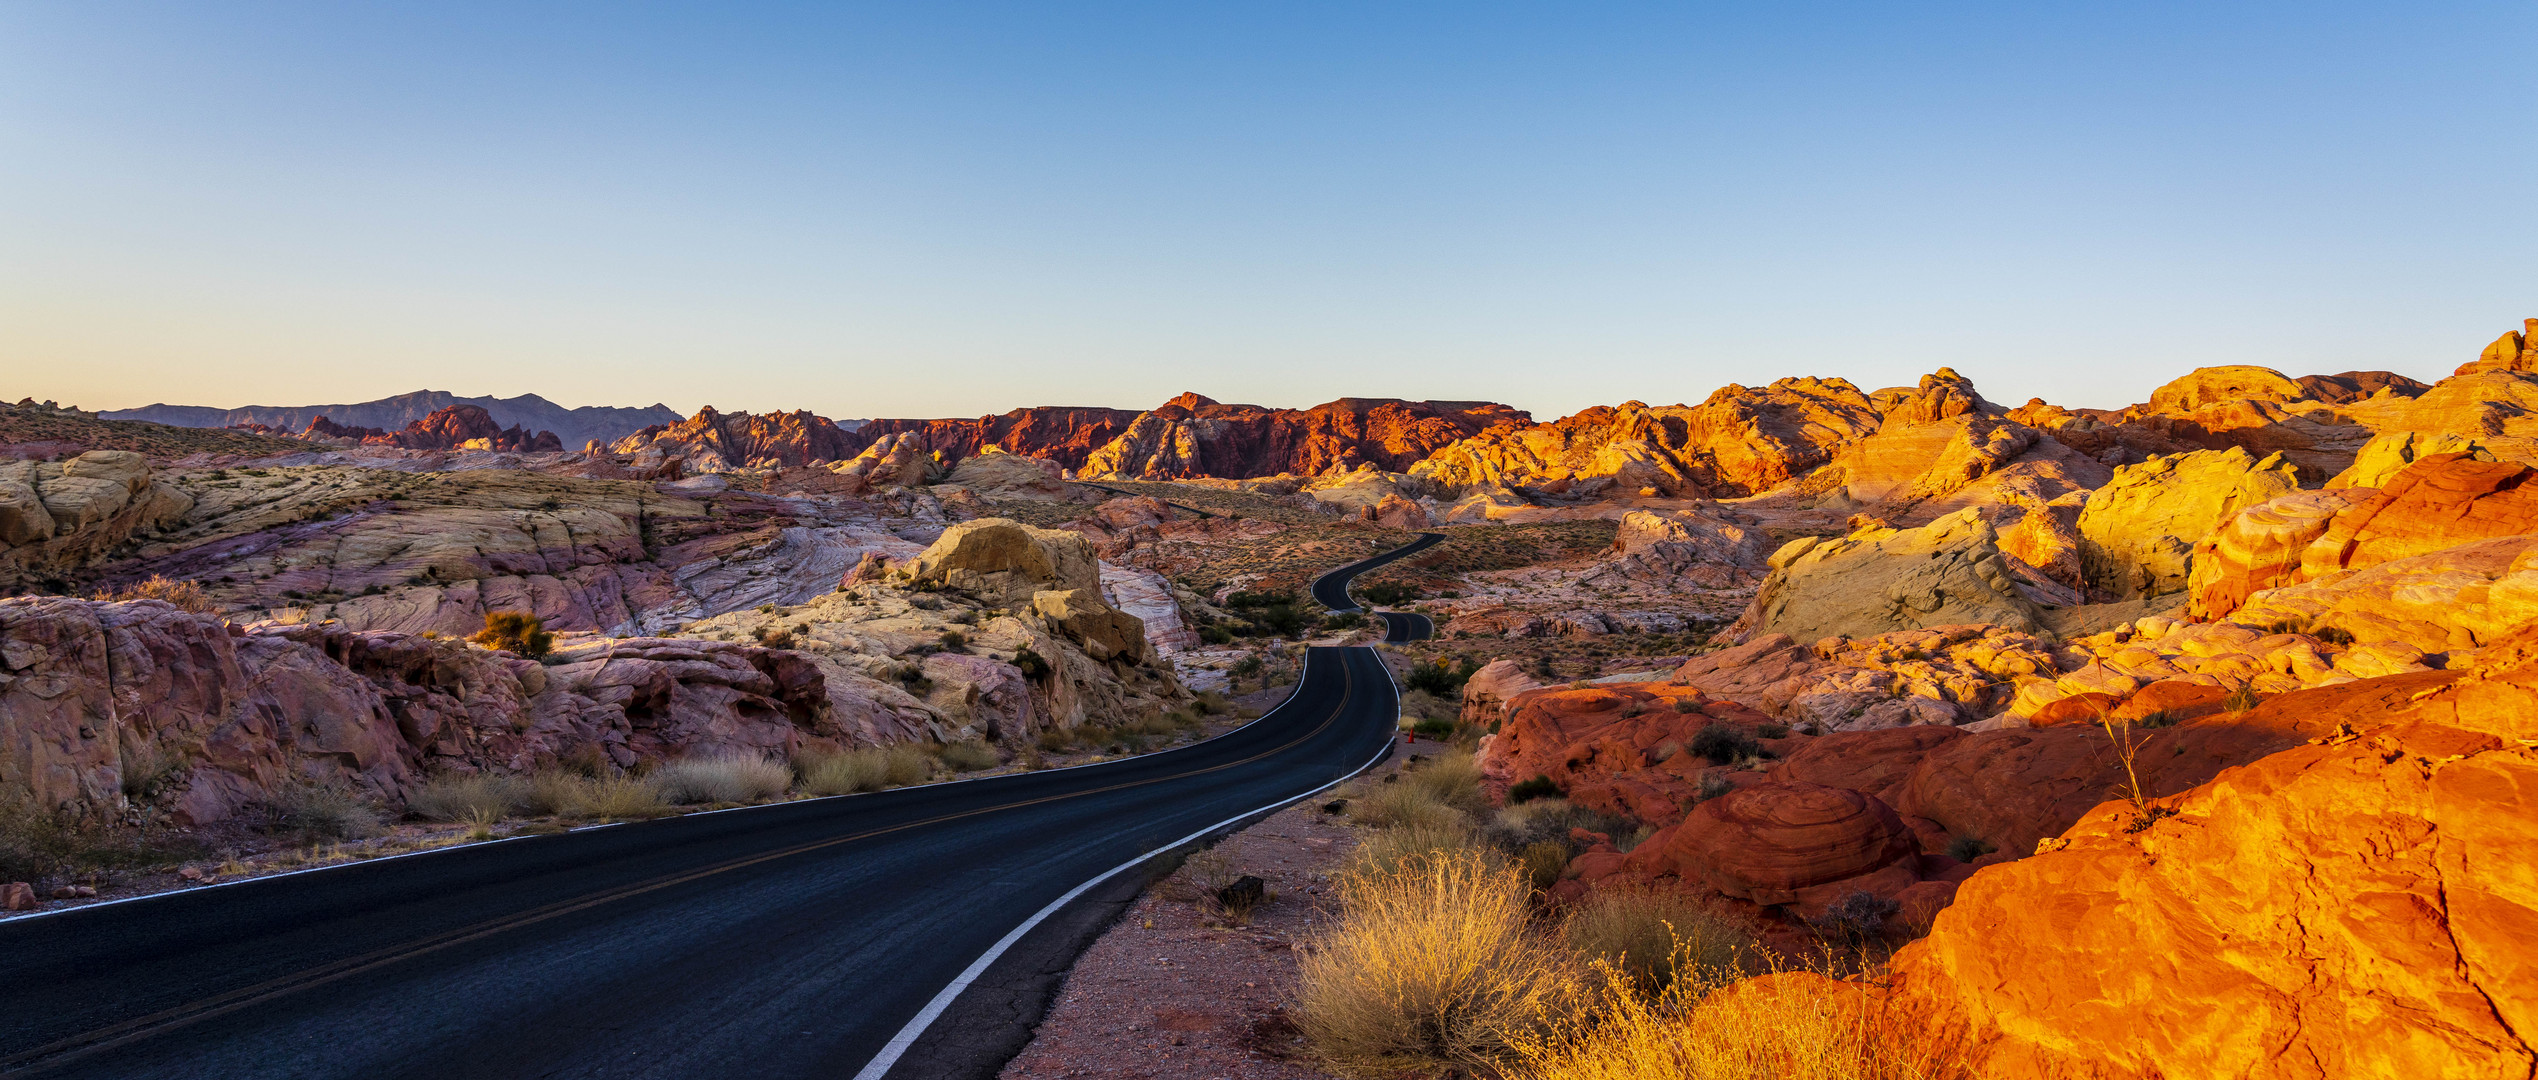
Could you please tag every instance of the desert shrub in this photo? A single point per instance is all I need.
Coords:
(1245, 668)
(186, 595)
(1384, 850)
(1346, 620)
(2243, 698)
(1432, 967)
(1856, 919)
(1210, 701)
(1723, 745)
(1032, 665)
(1540, 787)
(1281, 619)
(721, 778)
(1685, 705)
(616, 798)
(1795, 1027)
(37, 844)
(1439, 678)
(871, 769)
(1216, 635)
(1536, 820)
(515, 631)
(1452, 779)
(954, 641)
(1772, 731)
(1387, 593)
(775, 637)
(1395, 805)
(310, 811)
(967, 756)
(1969, 848)
(2158, 718)
(147, 769)
(1655, 936)
(1543, 862)
(1711, 786)
(1439, 730)
(467, 796)
(2333, 635)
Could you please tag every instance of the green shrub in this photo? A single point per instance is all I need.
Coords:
(954, 641)
(1724, 745)
(1439, 730)
(1032, 665)
(1439, 678)
(1969, 848)
(1544, 861)
(1540, 787)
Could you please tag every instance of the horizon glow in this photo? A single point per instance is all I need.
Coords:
(962, 210)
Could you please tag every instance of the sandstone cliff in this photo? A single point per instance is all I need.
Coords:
(1194, 436)
(713, 441)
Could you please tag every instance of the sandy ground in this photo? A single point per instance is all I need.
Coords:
(1175, 991)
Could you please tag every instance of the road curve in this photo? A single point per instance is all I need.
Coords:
(795, 940)
(1331, 591)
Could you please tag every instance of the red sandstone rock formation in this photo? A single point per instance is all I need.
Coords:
(2439, 502)
(713, 441)
(2359, 905)
(1193, 436)
(468, 427)
(1063, 434)
(1738, 442)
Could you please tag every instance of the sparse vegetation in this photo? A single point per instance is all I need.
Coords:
(721, 778)
(186, 595)
(1436, 966)
(311, 812)
(967, 756)
(515, 631)
(1538, 787)
(870, 769)
(1655, 937)
(1723, 745)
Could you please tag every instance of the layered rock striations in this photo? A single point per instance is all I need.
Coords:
(1194, 436)
(713, 441)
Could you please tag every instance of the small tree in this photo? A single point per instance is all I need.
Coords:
(515, 631)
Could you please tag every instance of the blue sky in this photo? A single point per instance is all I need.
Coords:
(946, 210)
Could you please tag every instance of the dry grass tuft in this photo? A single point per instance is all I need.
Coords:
(1436, 967)
(468, 797)
(1793, 1026)
(869, 769)
(1655, 938)
(186, 595)
(721, 778)
(967, 756)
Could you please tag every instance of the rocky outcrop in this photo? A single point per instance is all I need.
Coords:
(1739, 442)
(2437, 503)
(2355, 905)
(1792, 843)
(1879, 579)
(713, 441)
(1063, 434)
(1008, 561)
(467, 427)
(2516, 350)
(1194, 436)
(2138, 532)
(1706, 547)
(56, 517)
(1395, 512)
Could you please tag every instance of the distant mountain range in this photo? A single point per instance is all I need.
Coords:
(528, 411)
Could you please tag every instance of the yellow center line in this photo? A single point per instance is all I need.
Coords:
(178, 1016)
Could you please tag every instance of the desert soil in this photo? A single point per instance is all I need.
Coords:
(1174, 990)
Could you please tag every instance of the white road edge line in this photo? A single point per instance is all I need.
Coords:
(915, 1029)
(474, 845)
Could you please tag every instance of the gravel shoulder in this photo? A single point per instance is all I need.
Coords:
(1176, 989)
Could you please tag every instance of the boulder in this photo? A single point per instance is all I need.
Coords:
(1878, 580)
(1008, 561)
(1395, 512)
(2137, 533)
(1700, 547)
(1487, 692)
(1772, 843)
(1105, 632)
(2261, 547)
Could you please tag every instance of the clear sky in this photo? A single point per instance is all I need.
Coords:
(947, 210)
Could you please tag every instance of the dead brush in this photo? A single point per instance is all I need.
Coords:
(1707, 1025)
(1437, 966)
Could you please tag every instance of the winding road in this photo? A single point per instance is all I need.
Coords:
(1331, 591)
(906, 934)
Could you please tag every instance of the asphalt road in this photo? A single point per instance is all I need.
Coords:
(1331, 591)
(795, 940)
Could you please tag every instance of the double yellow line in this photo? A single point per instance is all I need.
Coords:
(64, 1050)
